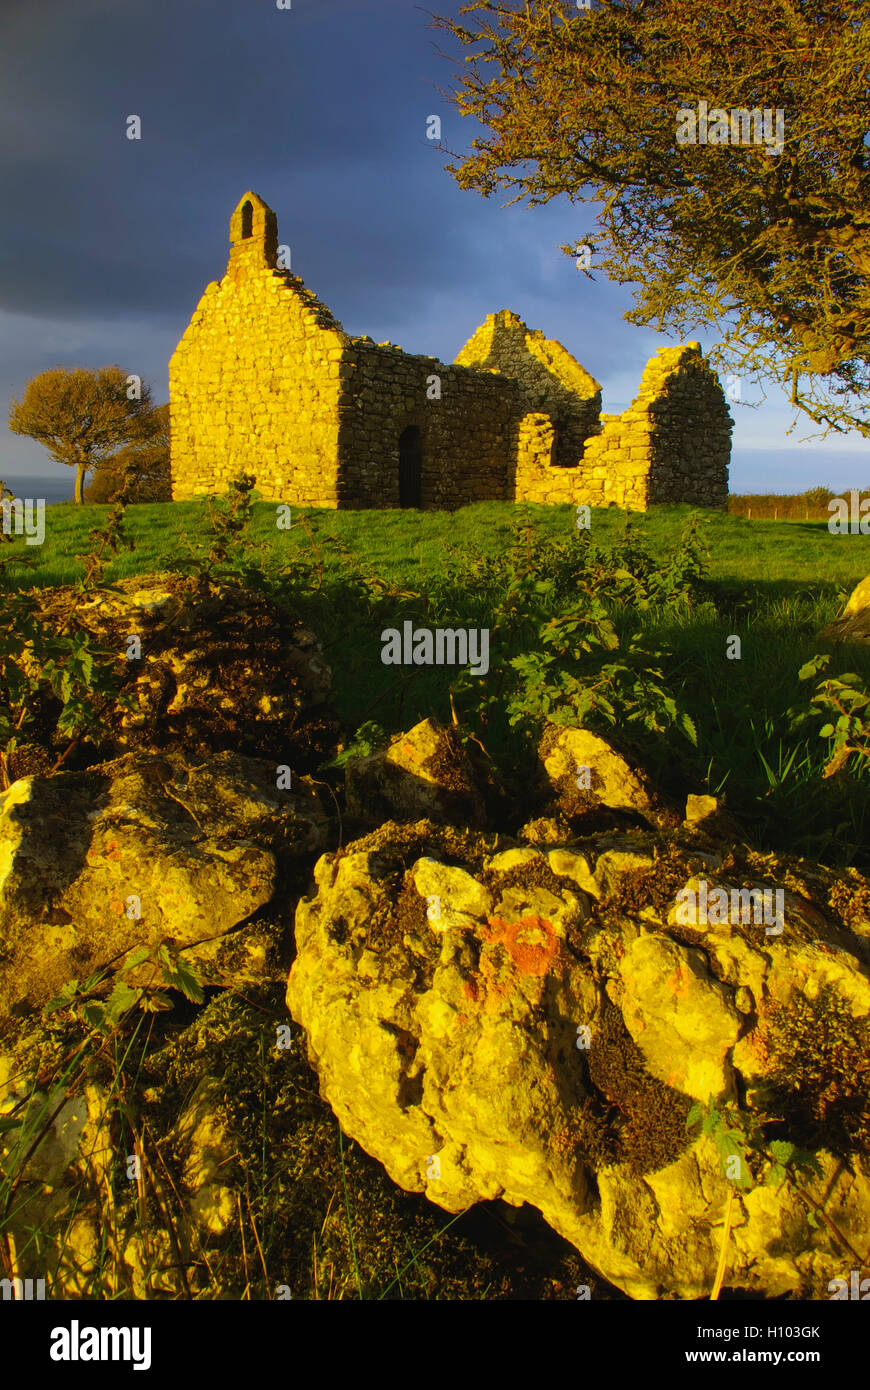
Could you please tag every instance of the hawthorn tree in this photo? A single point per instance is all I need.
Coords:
(140, 470)
(769, 246)
(83, 417)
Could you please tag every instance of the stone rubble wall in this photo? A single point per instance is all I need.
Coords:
(468, 433)
(691, 438)
(673, 444)
(554, 381)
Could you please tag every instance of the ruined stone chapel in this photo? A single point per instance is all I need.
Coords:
(265, 381)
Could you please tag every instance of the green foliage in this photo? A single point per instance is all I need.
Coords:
(844, 703)
(369, 738)
(591, 662)
(349, 574)
(40, 662)
(740, 1134)
(101, 1008)
(225, 550)
(37, 662)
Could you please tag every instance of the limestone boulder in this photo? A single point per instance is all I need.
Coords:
(853, 625)
(204, 670)
(491, 1020)
(590, 783)
(97, 863)
(423, 774)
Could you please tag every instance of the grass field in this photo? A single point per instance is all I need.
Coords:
(351, 574)
(406, 545)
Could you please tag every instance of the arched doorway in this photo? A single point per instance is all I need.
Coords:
(410, 468)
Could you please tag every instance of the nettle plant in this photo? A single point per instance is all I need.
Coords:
(566, 644)
(749, 1160)
(844, 703)
(96, 1005)
(40, 662)
(226, 550)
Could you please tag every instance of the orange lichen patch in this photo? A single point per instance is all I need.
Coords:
(110, 849)
(531, 942)
(678, 983)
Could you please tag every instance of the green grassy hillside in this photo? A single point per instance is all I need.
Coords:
(628, 631)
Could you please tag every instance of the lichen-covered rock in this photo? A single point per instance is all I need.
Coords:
(202, 1133)
(220, 669)
(587, 777)
(490, 1020)
(94, 864)
(423, 775)
(853, 625)
(191, 1146)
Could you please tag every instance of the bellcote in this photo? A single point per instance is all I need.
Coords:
(254, 232)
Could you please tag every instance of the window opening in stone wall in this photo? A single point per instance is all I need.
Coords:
(563, 453)
(247, 219)
(410, 468)
(554, 451)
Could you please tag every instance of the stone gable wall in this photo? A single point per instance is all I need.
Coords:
(554, 381)
(254, 384)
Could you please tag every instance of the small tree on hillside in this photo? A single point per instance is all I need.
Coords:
(83, 417)
(144, 465)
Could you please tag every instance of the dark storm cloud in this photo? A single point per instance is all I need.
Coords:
(321, 109)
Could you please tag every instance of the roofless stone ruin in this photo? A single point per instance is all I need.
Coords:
(265, 381)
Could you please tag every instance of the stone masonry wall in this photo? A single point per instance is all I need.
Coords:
(255, 381)
(673, 444)
(691, 438)
(467, 422)
(554, 381)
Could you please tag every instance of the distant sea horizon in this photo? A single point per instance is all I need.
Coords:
(52, 489)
